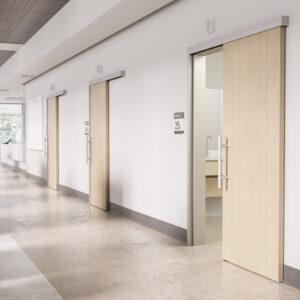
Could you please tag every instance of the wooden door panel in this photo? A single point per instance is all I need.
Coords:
(253, 124)
(52, 143)
(99, 178)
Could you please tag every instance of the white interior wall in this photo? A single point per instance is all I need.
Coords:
(214, 70)
(73, 112)
(213, 98)
(153, 52)
(13, 154)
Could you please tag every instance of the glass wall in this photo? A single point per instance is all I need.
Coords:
(11, 122)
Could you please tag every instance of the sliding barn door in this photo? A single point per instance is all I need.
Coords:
(52, 143)
(253, 128)
(99, 176)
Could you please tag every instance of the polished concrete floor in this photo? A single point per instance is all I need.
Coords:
(53, 246)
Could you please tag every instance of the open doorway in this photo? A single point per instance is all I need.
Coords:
(208, 92)
(248, 154)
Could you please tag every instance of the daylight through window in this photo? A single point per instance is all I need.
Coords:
(11, 122)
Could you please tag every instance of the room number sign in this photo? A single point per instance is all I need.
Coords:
(179, 122)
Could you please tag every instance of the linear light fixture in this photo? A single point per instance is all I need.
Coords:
(27, 76)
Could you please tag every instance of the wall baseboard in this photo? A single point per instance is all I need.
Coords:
(15, 168)
(161, 226)
(291, 276)
(71, 192)
(38, 179)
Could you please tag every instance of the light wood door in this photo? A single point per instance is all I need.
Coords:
(99, 176)
(253, 126)
(52, 143)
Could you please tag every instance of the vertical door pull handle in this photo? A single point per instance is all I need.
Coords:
(46, 145)
(87, 149)
(220, 171)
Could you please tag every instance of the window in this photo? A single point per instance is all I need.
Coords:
(11, 122)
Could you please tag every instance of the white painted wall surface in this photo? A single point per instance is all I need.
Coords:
(73, 112)
(13, 154)
(148, 162)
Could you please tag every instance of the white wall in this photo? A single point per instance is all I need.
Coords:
(213, 100)
(213, 96)
(148, 162)
(73, 170)
(13, 154)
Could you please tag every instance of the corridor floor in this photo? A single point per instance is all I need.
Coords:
(53, 246)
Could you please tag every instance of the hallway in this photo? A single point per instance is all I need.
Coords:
(53, 246)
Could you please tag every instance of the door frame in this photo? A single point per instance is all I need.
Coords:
(53, 95)
(103, 78)
(196, 216)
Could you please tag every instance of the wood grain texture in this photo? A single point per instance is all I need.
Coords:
(52, 143)
(212, 188)
(211, 168)
(253, 124)
(99, 151)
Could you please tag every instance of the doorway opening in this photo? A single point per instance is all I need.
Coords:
(249, 158)
(208, 95)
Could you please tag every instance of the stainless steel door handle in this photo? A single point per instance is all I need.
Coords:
(46, 145)
(220, 171)
(87, 149)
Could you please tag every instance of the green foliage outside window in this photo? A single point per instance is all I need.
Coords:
(11, 122)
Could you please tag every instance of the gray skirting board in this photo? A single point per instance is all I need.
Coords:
(161, 226)
(71, 192)
(38, 179)
(291, 276)
(15, 168)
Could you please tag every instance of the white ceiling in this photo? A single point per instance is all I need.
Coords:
(62, 38)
